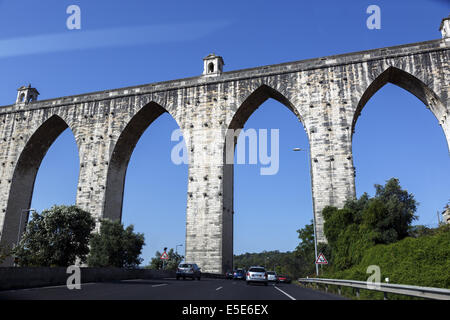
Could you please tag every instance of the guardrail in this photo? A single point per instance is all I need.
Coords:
(407, 290)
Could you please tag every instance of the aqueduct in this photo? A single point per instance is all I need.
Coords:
(326, 94)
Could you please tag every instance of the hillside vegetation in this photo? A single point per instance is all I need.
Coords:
(378, 231)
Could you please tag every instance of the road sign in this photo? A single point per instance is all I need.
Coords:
(165, 256)
(321, 259)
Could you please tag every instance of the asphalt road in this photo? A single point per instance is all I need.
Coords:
(170, 289)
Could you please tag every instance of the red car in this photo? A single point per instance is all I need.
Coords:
(284, 279)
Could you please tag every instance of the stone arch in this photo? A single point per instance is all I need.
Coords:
(120, 157)
(408, 82)
(254, 100)
(246, 108)
(24, 176)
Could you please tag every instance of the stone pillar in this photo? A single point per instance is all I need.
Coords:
(96, 136)
(92, 179)
(332, 171)
(209, 224)
(332, 179)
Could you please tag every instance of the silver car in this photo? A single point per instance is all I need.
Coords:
(272, 276)
(188, 270)
(256, 274)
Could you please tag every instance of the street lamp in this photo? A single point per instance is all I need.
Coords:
(19, 232)
(314, 218)
(20, 223)
(176, 248)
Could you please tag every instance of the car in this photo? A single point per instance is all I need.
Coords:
(272, 276)
(188, 270)
(229, 275)
(284, 279)
(239, 274)
(256, 274)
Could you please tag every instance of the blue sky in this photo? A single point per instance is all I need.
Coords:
(396, 136)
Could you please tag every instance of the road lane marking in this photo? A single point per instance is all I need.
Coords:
(159, 285)
(47, 287)
(290, 297)
(219, 288)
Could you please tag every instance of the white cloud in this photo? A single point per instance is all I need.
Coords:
(115, 37)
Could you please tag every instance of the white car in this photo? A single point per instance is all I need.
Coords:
(256, 274)
(272, 276)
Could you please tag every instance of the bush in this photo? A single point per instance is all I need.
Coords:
(115, 246)
(362, 223)
(57, 237)
(170, 264)
(378, 231)
(422, 261)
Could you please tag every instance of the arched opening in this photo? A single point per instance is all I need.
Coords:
(211, 67)
(267, 206)
(397, 137)
(24, 177)
(406, 81)
(144, 187)
(121, 156)
(57, 177)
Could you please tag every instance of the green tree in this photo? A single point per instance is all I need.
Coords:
(365, 222)
(305, 251)
(56, 237)
(170, 264)
(115, 246)
(393, 213)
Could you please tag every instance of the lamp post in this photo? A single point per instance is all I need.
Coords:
(20, 223)
(19, 232)
(314, 217)
(176, 248)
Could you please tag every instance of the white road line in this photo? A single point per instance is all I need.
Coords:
(48, 287)
(131, 280)
(159, 285)
(290, 297)
(219, 288)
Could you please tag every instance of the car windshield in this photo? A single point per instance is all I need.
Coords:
(257, 270)
(185, 266)
(271, 272)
